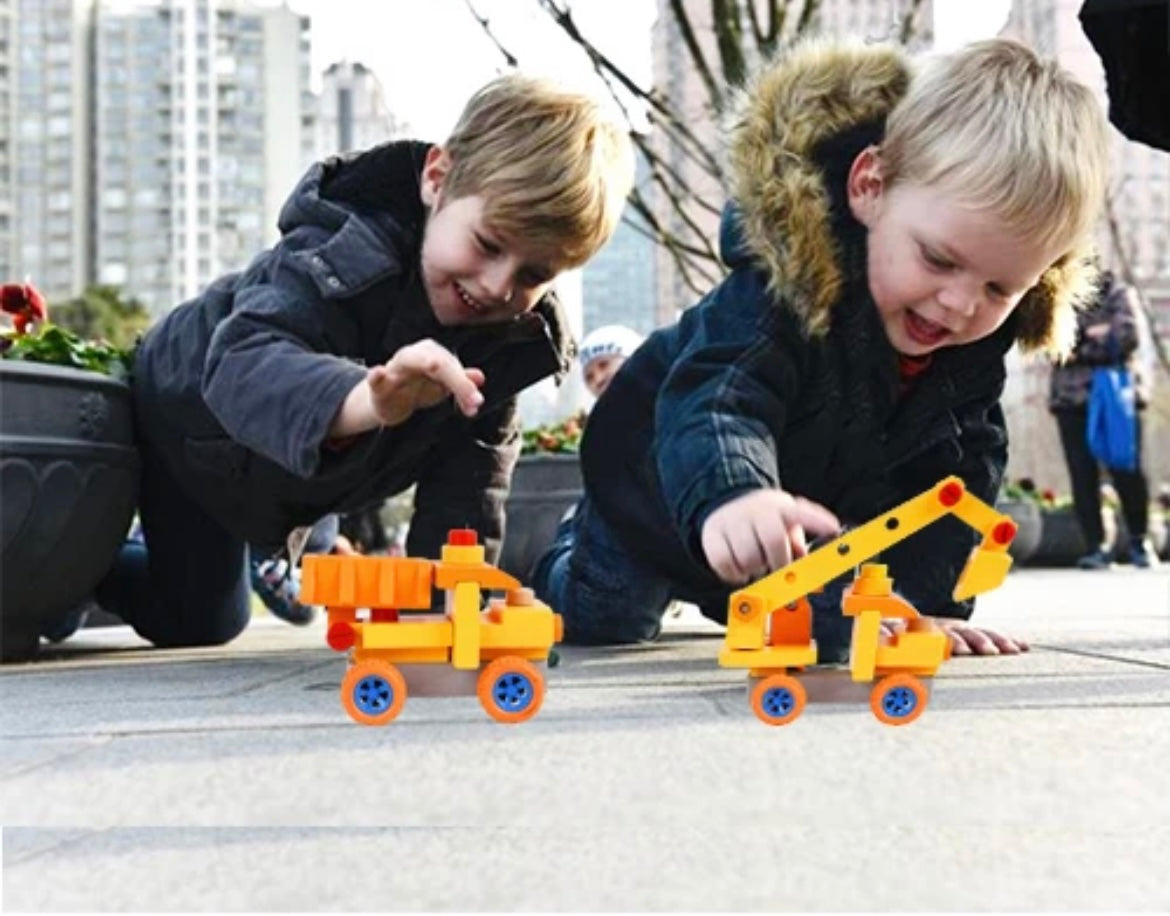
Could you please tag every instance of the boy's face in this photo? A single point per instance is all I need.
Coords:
(601, 371)
(942, 273)
(470, 273)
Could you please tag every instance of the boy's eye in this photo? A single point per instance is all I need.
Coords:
(934, 259)
(487, 246)
(996, 292)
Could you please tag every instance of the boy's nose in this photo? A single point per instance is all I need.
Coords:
(499, 286)
(958, 299)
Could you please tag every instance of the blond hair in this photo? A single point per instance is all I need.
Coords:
(551, 168)
(1007, 132)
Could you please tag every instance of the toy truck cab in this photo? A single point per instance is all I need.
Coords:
(364, 597)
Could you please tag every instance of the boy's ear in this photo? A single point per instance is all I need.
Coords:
(435, 168)
(865, 184)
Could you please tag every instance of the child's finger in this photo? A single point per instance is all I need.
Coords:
(441, 366)
(812, 517)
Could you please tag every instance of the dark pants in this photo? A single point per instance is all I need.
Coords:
(605, 595)
(1084, 474)
(188, 584)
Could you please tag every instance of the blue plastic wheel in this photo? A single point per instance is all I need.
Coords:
(513, 692)
(373, 695)
(778, 702)
(899, 702)
(778, 699)
(373, 692)
(510, 689)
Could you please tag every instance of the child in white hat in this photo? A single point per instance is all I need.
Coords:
(602, 353)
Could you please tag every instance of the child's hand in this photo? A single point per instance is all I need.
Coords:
(969, 640)
(759, 532)
(420, 376)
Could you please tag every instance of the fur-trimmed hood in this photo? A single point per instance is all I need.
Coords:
(795, 104)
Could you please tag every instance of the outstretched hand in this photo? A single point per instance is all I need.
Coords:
(969, 640)
(760, 531)
(966, 639)
(419, 376)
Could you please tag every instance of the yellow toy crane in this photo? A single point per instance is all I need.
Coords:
(497, 645)
(769, 623)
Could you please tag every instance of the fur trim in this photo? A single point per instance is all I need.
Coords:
(803, 97)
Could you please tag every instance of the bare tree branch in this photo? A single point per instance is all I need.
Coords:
(806, 15)
(729, 40)
(683, 21)
(907, 29)
(487, 28)
(766, 38)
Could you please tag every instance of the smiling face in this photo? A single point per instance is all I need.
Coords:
(942, 273)
(600, 372)
(471, 274)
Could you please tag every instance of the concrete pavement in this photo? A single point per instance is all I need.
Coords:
(230, 779)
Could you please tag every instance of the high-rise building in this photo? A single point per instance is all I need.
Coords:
(7, 161)
(353, 112)
(150, 145)
(203, 124)
(49, 148)
(677, 78)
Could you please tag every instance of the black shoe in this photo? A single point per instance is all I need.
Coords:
(64, 627)
(277, 587)
(1141, 555)
(1098, 559)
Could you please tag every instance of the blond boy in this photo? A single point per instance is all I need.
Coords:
(380, 344)
(893, 233)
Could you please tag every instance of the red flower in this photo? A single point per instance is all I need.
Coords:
(24, 303)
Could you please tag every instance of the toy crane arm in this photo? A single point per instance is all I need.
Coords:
(985, 569)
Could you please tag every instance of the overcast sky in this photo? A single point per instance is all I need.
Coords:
(430, 56)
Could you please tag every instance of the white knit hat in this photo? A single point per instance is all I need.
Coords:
(612, 339)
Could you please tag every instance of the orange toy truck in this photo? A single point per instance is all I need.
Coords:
(769, 623)
(364, 594)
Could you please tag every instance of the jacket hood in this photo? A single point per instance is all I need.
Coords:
(795, 106)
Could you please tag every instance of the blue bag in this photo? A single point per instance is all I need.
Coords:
(1112, 422)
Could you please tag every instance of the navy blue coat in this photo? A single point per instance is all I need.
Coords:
(738, 395)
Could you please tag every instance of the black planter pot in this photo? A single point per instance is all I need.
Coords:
(1026, 515)
(69, 475)
(543, 487)
(1062, 542)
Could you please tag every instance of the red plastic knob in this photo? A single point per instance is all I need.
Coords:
(950, 494)
(1004, 532)
(462, 537)
(341, 636)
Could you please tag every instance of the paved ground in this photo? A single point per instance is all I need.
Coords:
(230, 779)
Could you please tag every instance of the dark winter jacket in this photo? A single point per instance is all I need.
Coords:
(237, 388)
(1116, 306)
(783, 375)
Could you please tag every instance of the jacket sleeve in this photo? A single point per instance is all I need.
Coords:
(926, 566)
(467, 484)
(719, 409)
(272, 376)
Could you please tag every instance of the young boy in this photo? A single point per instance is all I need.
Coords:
(603, 351)
(381, 343)
(892, 236)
